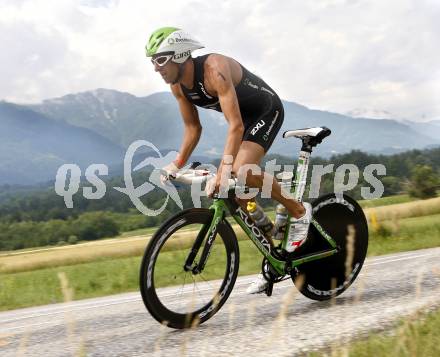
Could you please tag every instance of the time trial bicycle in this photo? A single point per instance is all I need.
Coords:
(191, 263)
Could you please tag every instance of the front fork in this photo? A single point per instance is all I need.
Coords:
(208, 230)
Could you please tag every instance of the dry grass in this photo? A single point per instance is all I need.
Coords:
(15, 262)
(73, 254)
(404, 210)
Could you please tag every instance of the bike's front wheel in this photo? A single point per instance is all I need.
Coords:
(176, 295)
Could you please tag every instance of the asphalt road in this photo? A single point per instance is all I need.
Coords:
(286, 324)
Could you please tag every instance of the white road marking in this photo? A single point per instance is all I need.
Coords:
(399, 259)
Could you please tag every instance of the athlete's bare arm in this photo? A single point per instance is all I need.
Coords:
(219, 79)
(192, 126)
(234, 68)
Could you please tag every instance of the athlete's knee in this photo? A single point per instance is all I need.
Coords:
(249, 173)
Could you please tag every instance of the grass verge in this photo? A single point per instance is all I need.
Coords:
(404, 235)
(417, 335)
(88, 280)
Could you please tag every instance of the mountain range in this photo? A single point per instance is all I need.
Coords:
(97, 127)
(33, 146)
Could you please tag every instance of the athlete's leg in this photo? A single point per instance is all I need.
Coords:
(252, 153)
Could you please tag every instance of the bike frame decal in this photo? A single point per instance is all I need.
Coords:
(314, 256)
(257, 237)
(299, 186)
(324, 234)
(301, 175)
(242, 217)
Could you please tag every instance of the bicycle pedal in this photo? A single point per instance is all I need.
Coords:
(269, 289)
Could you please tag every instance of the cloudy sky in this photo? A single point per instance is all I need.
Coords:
(336, 55)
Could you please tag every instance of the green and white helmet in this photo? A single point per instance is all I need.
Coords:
(171, 39)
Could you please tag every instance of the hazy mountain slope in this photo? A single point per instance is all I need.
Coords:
(124, 118)
(431, 128)
(32, 146)
(121, 117)
(96, 126)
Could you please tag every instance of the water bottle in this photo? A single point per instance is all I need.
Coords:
(260, 218)
(280, 222)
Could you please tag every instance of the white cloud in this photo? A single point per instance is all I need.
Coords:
(334, 54)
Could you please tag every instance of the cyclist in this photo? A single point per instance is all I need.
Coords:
(254, 113)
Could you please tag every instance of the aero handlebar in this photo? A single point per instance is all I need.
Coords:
(200, 176)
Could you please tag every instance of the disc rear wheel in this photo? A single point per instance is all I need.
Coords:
(343, 219)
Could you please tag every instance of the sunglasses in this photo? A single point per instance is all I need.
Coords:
(161, 60)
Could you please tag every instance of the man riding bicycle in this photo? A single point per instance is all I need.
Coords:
(254, 113)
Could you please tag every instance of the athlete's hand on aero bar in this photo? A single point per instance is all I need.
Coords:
(168, 172)
(214, 185)
(189, 176)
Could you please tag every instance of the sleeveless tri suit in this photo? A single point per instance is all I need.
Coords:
(260, 107)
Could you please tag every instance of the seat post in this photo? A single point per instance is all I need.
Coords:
(308, 143)
(301, 173)
(310, 138)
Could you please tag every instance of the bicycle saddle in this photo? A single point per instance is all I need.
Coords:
(317, 132)
(310, 137)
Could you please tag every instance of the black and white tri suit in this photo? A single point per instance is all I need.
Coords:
(260, 107)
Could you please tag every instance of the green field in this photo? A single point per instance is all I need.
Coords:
(405, 234)
(385, 201)
(111, 276)
(93, 279)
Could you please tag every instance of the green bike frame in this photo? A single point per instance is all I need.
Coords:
(221, 206)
